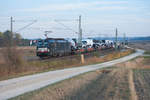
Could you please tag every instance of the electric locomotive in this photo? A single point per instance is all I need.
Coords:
(53, 47)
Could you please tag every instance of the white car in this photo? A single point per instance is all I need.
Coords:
(87, 43)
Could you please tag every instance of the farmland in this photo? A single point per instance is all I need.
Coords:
(142, 83)
(142, 80)
(141, 45)
(89, 86)
(123, 81)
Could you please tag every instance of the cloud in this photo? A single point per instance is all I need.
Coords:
(73, 6)
(112, 8)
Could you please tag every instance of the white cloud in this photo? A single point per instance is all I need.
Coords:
(112, 8)
(102, 22)
(72, 6)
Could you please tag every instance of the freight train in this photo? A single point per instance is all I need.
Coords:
(51, 47)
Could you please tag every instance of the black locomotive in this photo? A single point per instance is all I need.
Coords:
(53, 47)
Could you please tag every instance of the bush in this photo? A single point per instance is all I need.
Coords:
(13, 60)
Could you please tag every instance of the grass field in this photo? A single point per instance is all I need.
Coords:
(124, 81)
(142, 83)
(103, 88)
(147, 52)
(89, 86)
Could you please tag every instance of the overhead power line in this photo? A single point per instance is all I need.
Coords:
(26, 26)
(24, 20)
(66, 20)
(68, 28)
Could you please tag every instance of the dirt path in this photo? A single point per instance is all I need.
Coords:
(132, 86)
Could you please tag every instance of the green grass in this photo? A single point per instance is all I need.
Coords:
(146, 57)
(147, 52)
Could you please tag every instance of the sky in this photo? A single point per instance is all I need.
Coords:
(99, 18)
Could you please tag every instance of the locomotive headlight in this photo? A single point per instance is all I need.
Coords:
(43, 49)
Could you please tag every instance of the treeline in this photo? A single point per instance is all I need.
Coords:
(7, 38)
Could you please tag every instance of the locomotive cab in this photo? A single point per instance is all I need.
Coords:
(42, 48)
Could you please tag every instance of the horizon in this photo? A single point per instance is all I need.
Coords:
(120, 38)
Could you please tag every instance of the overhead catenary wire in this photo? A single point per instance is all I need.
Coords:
(66, 20)
(26, 26)
(24, 20)
(68, 28)
(4, 26)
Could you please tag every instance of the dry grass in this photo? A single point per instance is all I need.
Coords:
(145, 45)
(142, 83)
(60, 90)
(76, 61)
(12, 61)
(105, 84)
(22, 67)
(108, 57)
(138, 63)
(28, 51)
(90, 86)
